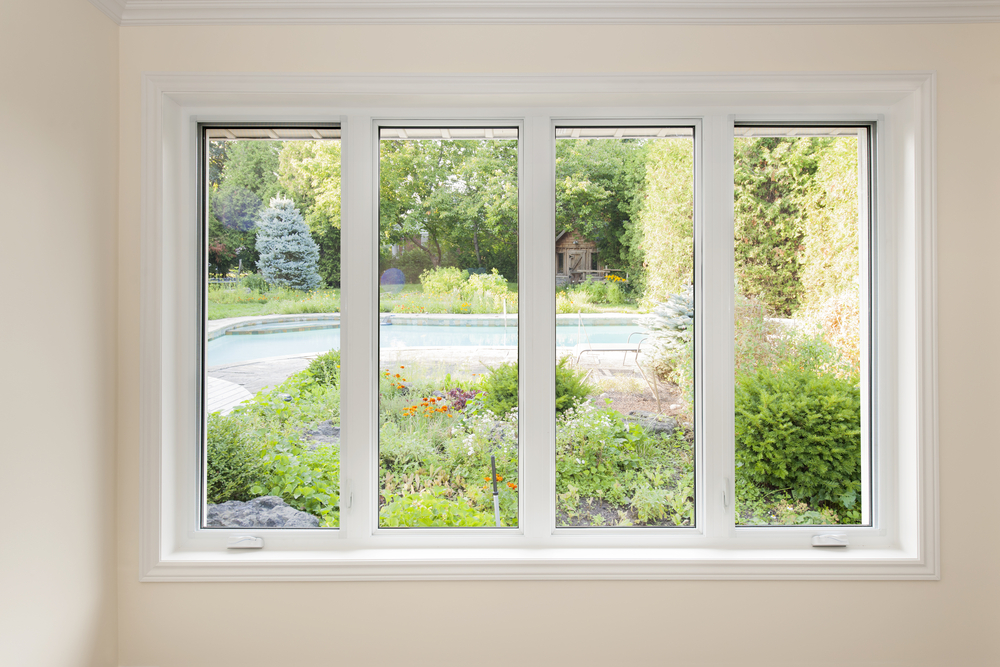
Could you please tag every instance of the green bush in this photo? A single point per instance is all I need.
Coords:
(800, 430)
(480, 284)
(412, 263)
(500, 388)
(596, 290)
(308, 480)
(429, 508)
(443, 279)
(571, 387)
(234, 464)
(325, 368)
(255, 283)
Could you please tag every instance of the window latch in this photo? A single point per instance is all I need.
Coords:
(245, 542)
(830, 540)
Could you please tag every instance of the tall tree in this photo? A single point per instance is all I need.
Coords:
(454, 200)
(663, 239)
(247, 177)
(309, 172)
(599, 190)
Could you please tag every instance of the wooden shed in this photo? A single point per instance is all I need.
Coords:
(576, 258)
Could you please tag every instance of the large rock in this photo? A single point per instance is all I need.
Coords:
(324, 433)
(263, 512)
(652, 422)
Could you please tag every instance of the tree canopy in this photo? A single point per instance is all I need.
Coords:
(453, 200)
(599, 193)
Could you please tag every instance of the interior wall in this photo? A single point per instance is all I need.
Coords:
(58, 328)
(949, 622)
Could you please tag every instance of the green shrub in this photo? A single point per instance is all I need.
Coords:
(500, 388)
(308, 480)
(255, 283)
(412, 263)
(443, 279)
(800, 430)
(403, 450)
(234, 463)
(430, 508)
(571, 386)
(596, 290)
(480, 284)
(325, 368)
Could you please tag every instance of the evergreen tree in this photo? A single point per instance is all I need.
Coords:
(772, 176)
(288, 254)
(662, 236)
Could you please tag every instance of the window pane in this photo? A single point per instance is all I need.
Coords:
(272, 329)
(448, 330)
(624, 326)
(801, 332)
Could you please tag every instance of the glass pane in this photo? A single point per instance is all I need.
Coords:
(448, 356)
(625, 326)
(801, 330)
(272, 329)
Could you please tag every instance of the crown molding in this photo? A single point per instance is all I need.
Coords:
(113, 9)
(733, 12)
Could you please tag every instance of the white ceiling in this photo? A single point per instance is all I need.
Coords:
(234, 12)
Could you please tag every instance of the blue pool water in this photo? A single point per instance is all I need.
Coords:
(231, 349)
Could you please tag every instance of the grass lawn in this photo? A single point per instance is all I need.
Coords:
(238, 302)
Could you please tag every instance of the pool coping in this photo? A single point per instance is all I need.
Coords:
(217, 328)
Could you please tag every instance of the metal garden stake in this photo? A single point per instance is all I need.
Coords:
(496, 494)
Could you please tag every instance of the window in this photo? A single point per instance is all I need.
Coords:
(802, 240)
(900, 541)
(271, 219)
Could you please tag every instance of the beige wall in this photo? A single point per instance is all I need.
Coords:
(58, 163)
(58, 328)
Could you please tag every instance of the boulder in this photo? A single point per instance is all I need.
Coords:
(652, 422)
(324, 433)
(263, 512)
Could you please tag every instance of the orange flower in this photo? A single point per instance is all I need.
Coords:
(512, 485)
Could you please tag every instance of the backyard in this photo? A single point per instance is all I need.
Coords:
(448, 385)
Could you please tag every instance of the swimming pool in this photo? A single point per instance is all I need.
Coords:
(232, 349)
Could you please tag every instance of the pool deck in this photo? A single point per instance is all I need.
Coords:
(222, 395)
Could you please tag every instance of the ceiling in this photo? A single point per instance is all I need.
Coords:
(274, 12)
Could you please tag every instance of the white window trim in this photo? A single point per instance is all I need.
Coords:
(903, 543)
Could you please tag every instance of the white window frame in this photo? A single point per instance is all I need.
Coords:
(901, 544)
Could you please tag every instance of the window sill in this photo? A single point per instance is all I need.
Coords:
(544, 563)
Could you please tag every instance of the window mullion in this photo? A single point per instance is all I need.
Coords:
(537, 327)
(714, 325)
(359, 338)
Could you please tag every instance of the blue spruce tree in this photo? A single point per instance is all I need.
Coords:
(288, 254)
